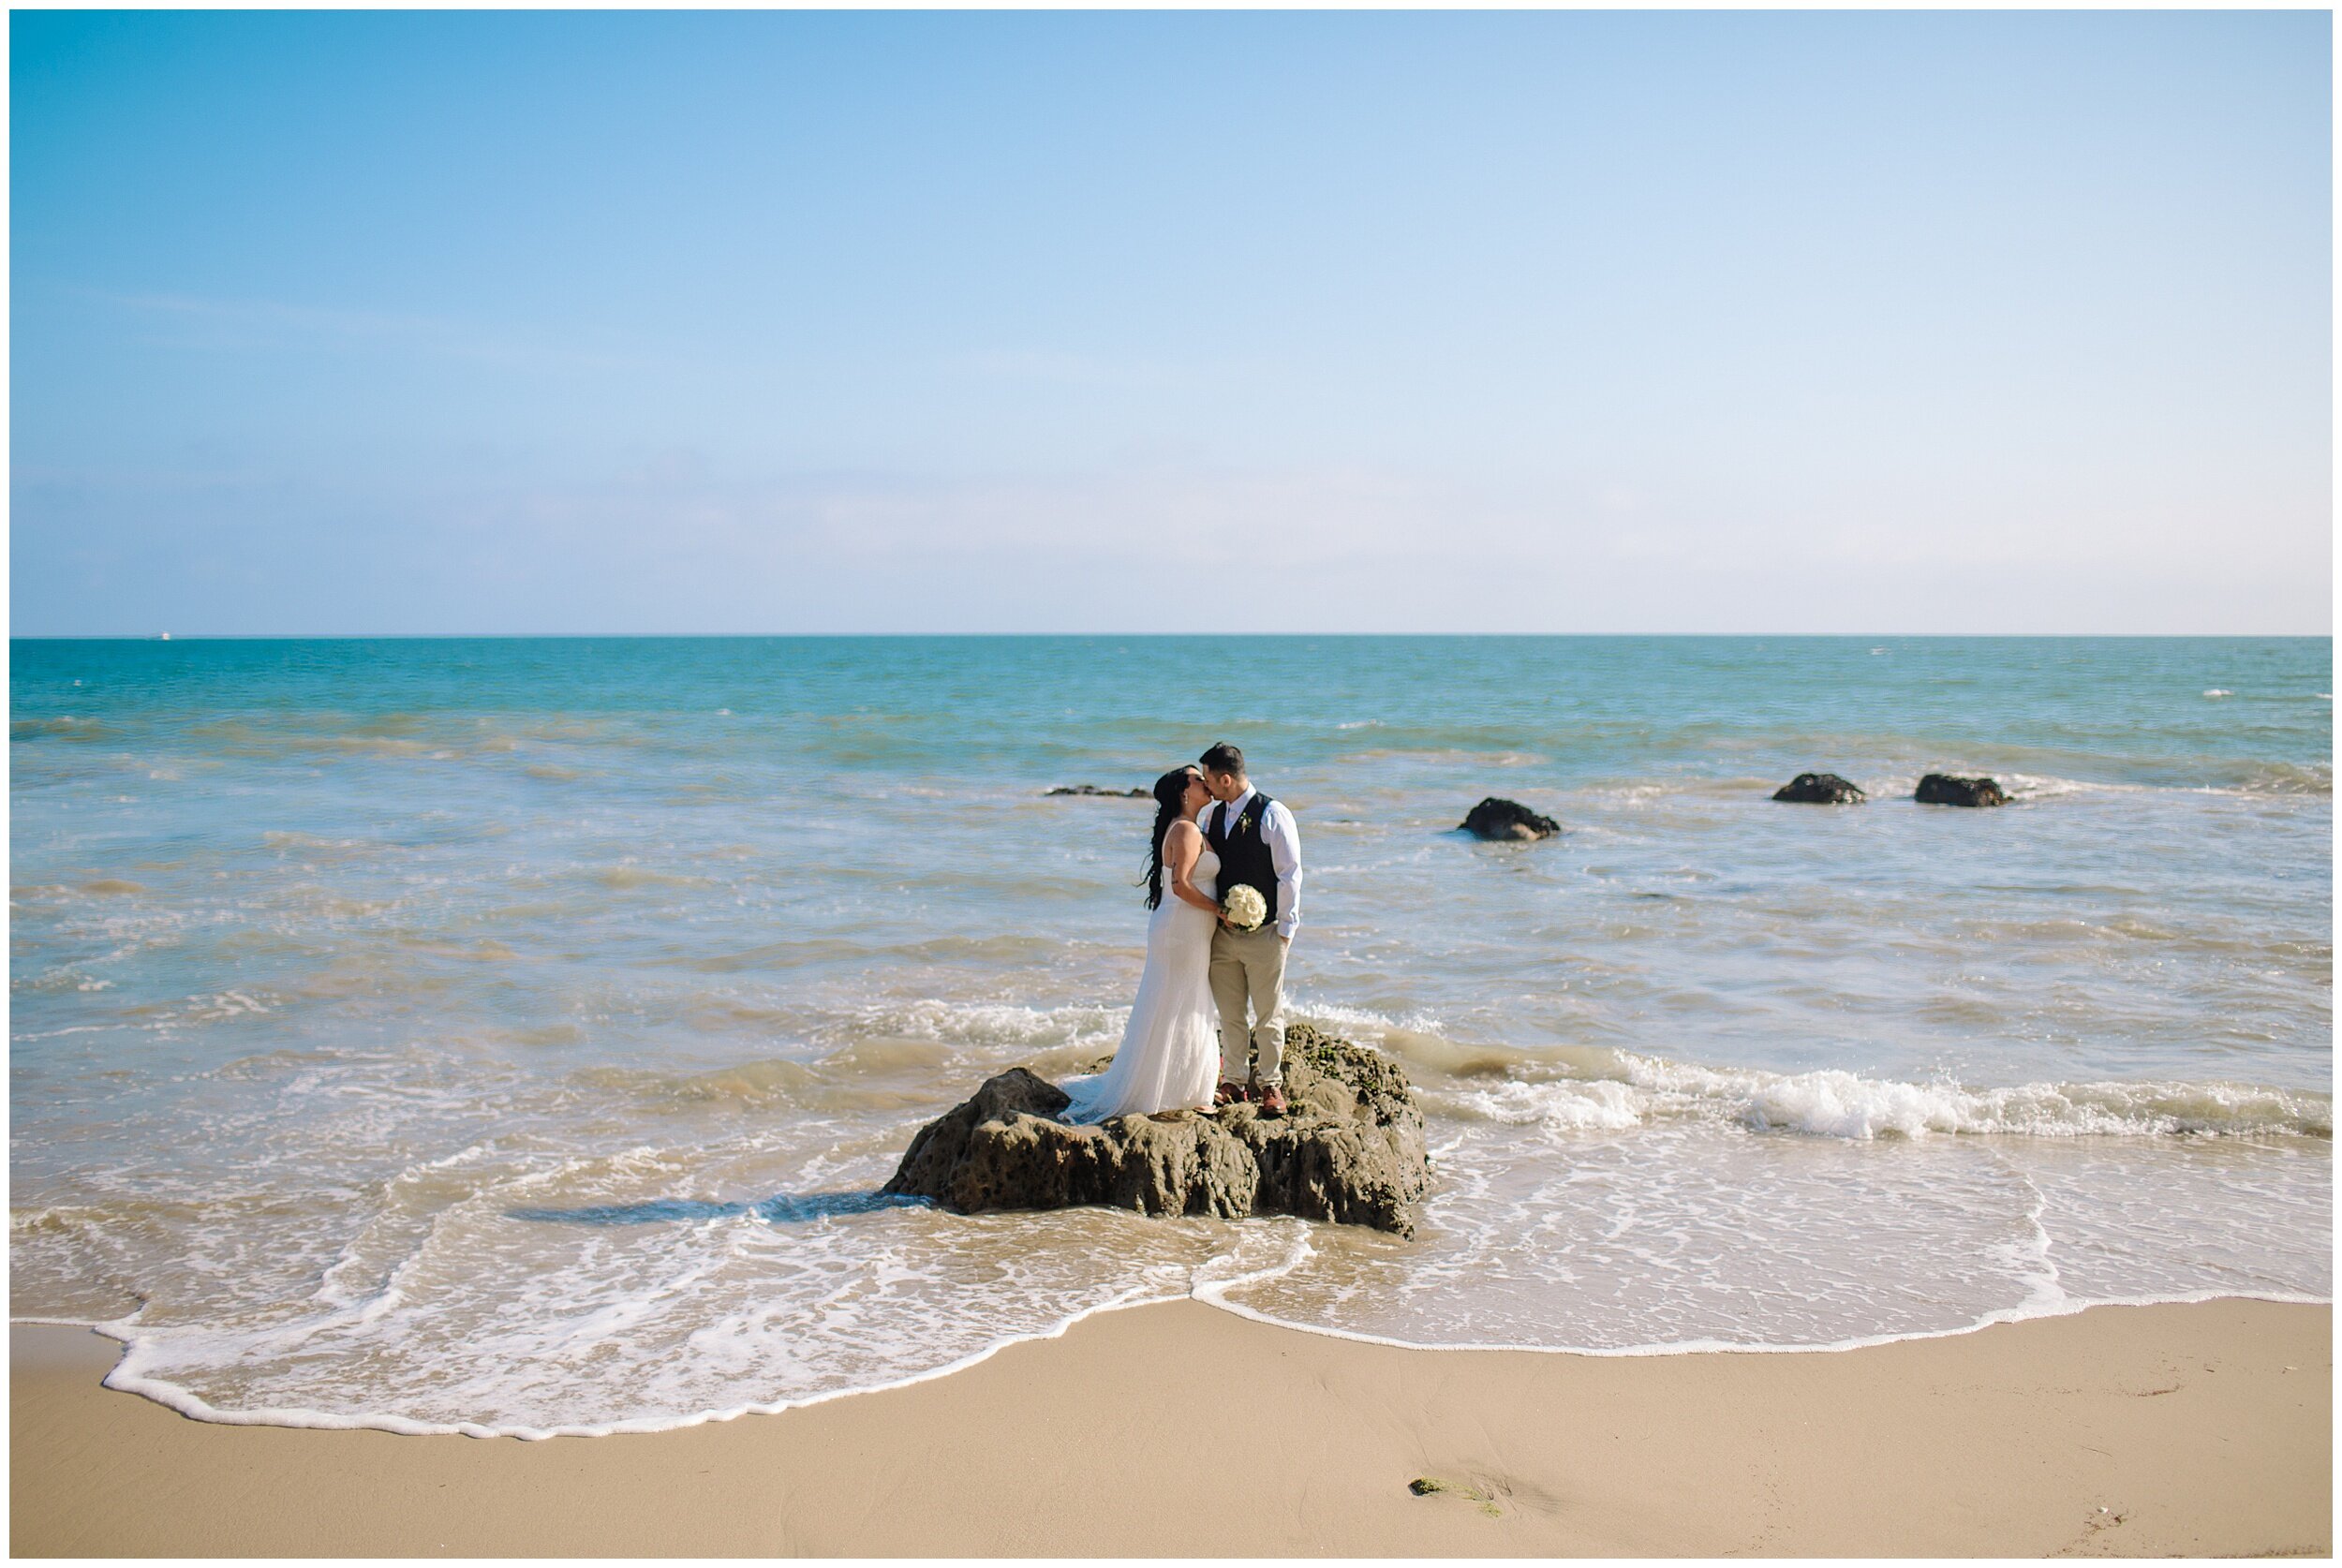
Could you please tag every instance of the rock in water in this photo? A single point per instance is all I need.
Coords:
(1093, 790)
(1507, 818)
(1821, 789)
(1349, 1149)
(1943, 788)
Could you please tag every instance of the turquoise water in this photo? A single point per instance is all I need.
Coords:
(343, 969)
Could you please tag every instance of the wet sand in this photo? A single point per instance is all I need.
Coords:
(1182, 1430)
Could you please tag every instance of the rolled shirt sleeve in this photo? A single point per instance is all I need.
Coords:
(1284, 852)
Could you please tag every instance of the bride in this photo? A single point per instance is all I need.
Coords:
(1170, 1051)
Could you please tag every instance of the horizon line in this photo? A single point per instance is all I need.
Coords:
(1257, 636)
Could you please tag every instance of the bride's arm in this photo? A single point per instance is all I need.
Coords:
(1181, 847)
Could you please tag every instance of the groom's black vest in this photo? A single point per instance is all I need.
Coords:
(1244, 859)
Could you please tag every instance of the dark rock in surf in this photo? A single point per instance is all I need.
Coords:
(1093, 790)
(1507, 818)
(1944, 789)
(1821, 789)
(1348, 1149)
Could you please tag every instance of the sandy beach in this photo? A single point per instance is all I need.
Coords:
(1180, 1430)
(657, 655)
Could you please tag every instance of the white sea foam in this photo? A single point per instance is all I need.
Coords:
(2046, 1303)
(1571, 1090)
(755, 1346)
(2038, 786)
(1838, 1104)
(1561, 1107)
(1841, 1105)
(504, 1286)
(2026, 788)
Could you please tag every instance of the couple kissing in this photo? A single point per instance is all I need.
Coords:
(1206, 1028)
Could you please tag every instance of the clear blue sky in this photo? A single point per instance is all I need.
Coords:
(740, 323)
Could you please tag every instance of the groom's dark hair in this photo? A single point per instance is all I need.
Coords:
(1224, 757)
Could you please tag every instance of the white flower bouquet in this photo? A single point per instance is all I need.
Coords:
(1244, 909)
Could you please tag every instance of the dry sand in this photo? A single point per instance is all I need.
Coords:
(1183, 1430)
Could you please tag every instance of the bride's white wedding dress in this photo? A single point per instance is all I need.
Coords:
(1169, 1060)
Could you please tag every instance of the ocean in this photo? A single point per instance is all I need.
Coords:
(510, 1035)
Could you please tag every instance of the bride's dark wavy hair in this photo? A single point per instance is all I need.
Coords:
(1170, 792)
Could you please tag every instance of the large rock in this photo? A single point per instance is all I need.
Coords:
(1821, 789)
(1507, 818)
(1944, 789)
(1093, 790)
(1349, 1149)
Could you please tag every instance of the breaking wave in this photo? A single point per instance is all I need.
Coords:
(1563, 1089)
(1840, 1105)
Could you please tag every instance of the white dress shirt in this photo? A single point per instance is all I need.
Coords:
(1284, 839)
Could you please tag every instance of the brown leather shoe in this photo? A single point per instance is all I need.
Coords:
(1272, 1101)
(1229, 1094)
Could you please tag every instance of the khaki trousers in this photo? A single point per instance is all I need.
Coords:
(1250, 967)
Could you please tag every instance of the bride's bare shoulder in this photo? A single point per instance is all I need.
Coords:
(1183, 829)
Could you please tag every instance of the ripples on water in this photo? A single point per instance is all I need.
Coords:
(510, 1035)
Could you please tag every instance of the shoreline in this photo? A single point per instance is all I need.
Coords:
(194, 1407)
(1184, 1428)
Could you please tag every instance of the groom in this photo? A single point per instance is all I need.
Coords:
(1260, 847)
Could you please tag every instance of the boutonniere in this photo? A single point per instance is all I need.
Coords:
(1244, 821)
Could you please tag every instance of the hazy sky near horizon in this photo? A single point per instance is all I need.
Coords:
(1514, 321)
